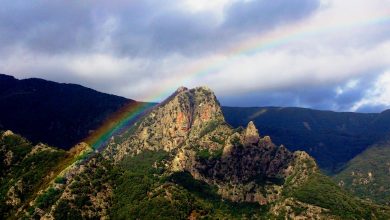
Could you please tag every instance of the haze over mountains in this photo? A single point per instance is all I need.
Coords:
(61, 115)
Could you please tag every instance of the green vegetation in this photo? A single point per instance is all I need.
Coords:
(206, 154)
(60, 180)
(65, 211)
(26, 173)
(217, 140)
(47, 199)
(321, 191)
(367, 175)
(96, 178)
(198, 188)
(131, 192)
(203, 154)
(210, 204)
(235, 141)
(209, 127)
(19, 147)
(142, 192)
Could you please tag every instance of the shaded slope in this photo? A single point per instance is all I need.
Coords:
(54, 113)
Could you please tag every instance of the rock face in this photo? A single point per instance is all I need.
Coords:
(183, 117)
(251, 135)
(190, 125)
(247, 171)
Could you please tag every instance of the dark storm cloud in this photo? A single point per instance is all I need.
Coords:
(263, 14)
(174, 32)
(325, 97)
(303, 98)
(144, 28)
(45, 26)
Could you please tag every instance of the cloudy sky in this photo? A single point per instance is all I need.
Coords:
(326, 54)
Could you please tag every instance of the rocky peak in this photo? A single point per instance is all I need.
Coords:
(191, 126)
(186, 115)
(206, 106)
(192, 108)
(251, 135)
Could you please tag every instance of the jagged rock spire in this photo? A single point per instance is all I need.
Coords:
(251, 135)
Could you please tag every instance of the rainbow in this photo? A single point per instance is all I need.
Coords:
(117, 123)
(258, 44)
(126, 116)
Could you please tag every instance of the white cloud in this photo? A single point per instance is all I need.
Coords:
(216, 6)
(347, 87)
(378, 95)
(283, 69)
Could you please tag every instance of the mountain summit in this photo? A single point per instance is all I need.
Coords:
(183, 161)
(183, 118)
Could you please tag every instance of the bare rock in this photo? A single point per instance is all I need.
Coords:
(13, 194)
(251, 136)
(7, 133)
(8, 158)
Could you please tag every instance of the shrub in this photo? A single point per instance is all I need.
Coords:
(47, 199)
(210, 126)
(64, 211)
(60, 180)
(321, 191)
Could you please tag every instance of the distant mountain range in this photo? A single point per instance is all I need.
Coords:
(61, 115)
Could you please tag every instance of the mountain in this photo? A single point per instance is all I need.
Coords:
(332, 138)
(368, 174)
(183, 161)
(64, 114)
(54, 113)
